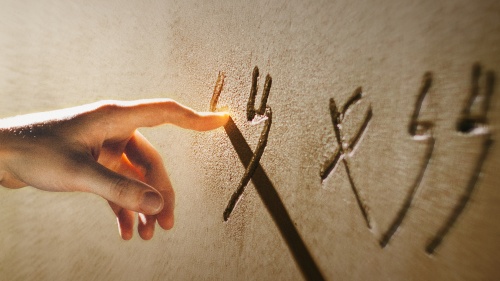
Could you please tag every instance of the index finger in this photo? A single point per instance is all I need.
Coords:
(154, 112)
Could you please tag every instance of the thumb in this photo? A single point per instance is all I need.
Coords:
(125, 192)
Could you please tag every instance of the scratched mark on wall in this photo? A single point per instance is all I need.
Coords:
(420, 130)
(217, 90)
(472, 122)
(347, 149)
(263, 113)
(263, 185)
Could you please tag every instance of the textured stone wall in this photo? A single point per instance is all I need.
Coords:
(290, 223)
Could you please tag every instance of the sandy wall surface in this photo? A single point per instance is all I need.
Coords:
(290, 224)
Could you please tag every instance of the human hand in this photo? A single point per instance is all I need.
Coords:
(96, 148)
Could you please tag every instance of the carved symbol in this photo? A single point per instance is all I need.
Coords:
(470, 123)
(264, 113)
(217, 90)
(347, 149)
(419, 130)
(262, 183)
(254, 162)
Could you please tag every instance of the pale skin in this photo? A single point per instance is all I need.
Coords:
(96, 148)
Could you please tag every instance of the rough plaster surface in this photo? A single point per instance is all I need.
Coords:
(56, 54)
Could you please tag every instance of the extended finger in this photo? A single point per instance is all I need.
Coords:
(142, 154)
(153, 112)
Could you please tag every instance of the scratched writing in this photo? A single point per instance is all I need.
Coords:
(472, 122)
(263, 113)
(346, 149)
(420, 130)
(256, 173)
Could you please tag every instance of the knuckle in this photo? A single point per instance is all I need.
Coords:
(171, 104)
(107, 107)
(121, 187)
(194, 119)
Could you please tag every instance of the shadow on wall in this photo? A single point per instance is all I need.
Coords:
(274, 206)
(262, 183)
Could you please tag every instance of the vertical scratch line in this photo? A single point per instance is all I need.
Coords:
(265, 94)
(217, 90)
(332, 163)
(335, 115)
(414, 123)
(476, 74)
(253, 93)
(450, 222)
(361, 204)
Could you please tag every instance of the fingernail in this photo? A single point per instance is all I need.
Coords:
(151, 203)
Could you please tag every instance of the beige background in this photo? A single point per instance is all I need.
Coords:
(56, 54)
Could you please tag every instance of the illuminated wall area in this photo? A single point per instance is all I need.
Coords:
(374, 154)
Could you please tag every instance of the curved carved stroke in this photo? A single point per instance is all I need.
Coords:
(470, 124)
(419, 130)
